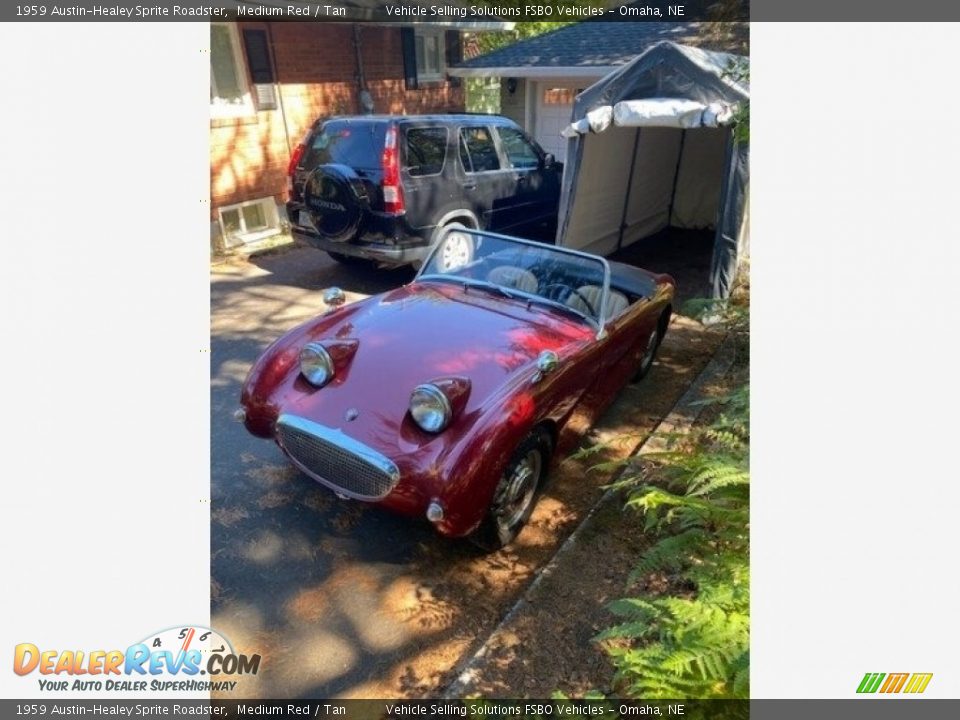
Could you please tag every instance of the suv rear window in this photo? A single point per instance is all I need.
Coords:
(357, 144)
(426, 150)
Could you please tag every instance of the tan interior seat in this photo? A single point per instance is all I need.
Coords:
(616, 301)
(509, 276)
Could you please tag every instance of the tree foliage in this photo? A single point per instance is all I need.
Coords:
(739, 71)
(490, 41)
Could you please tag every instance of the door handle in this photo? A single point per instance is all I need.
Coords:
(470, 186)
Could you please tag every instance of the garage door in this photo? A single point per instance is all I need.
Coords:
(554, 107)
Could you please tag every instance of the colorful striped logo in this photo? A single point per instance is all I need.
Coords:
(894, 683)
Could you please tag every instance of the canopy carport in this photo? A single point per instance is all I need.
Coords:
(651, 146)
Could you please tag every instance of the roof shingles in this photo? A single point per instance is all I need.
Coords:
(603, 44)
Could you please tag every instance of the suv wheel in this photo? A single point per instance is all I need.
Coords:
(456, 249)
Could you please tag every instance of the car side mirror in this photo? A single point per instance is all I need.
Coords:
(549, 160)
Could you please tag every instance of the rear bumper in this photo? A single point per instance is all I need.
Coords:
(382, 238)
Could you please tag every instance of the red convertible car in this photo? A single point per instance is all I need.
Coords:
(448, 397)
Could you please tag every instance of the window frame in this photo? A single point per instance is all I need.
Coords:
(270, 215)
(537, 150)
(406, 145)
(494, 140)
(246, 107)
(438, 75)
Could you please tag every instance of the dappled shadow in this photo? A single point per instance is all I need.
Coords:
(341, 598)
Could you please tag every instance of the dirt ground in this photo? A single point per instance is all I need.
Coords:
(547, 645)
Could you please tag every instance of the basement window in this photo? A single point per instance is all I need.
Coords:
(249, 221)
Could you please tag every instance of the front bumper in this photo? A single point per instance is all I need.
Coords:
(414, 484)
(330, 457)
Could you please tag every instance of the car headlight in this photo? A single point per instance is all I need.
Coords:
(316, 365)
(430, 408)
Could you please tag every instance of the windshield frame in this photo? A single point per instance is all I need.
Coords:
(598, 323)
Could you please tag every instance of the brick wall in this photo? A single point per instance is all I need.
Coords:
(316, 72)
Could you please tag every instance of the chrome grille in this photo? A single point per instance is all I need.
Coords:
(340, 462)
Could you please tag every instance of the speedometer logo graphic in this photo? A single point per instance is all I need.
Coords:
(180, 640)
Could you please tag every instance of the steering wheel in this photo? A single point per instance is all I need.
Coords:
(561, 292)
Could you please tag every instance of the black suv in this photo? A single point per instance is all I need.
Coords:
(383, 188)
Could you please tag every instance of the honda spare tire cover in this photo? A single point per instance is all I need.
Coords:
(335, 198)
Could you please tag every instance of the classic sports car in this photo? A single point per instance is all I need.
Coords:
(447, 397)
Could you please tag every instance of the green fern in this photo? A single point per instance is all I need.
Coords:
(695, 498)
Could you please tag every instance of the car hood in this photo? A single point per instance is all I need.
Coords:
(422, 332)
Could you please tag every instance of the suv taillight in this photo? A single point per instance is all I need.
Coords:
(292, 166)
(392, 193)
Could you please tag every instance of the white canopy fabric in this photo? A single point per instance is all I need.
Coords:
(650, 146)
(655, 112)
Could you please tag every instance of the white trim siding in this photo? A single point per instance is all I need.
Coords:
(545, 73)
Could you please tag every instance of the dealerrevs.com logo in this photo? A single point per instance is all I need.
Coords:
(181, 659)
(891, 683)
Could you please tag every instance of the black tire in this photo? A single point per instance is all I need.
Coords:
(514, 498)
(336, 200)
(653, 344)
(350, 260)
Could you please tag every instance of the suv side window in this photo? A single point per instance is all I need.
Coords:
(477, 151)
(426, 151)
(520, 153)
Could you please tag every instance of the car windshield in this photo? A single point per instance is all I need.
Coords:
(567, 280)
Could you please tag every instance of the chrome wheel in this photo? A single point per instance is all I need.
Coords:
(456, 252)
(517, 490)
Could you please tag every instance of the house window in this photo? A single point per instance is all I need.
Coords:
(229, 88)
(431, 55)
(249, 221)
(560, 96)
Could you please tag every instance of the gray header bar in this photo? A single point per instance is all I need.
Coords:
(482, 14)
